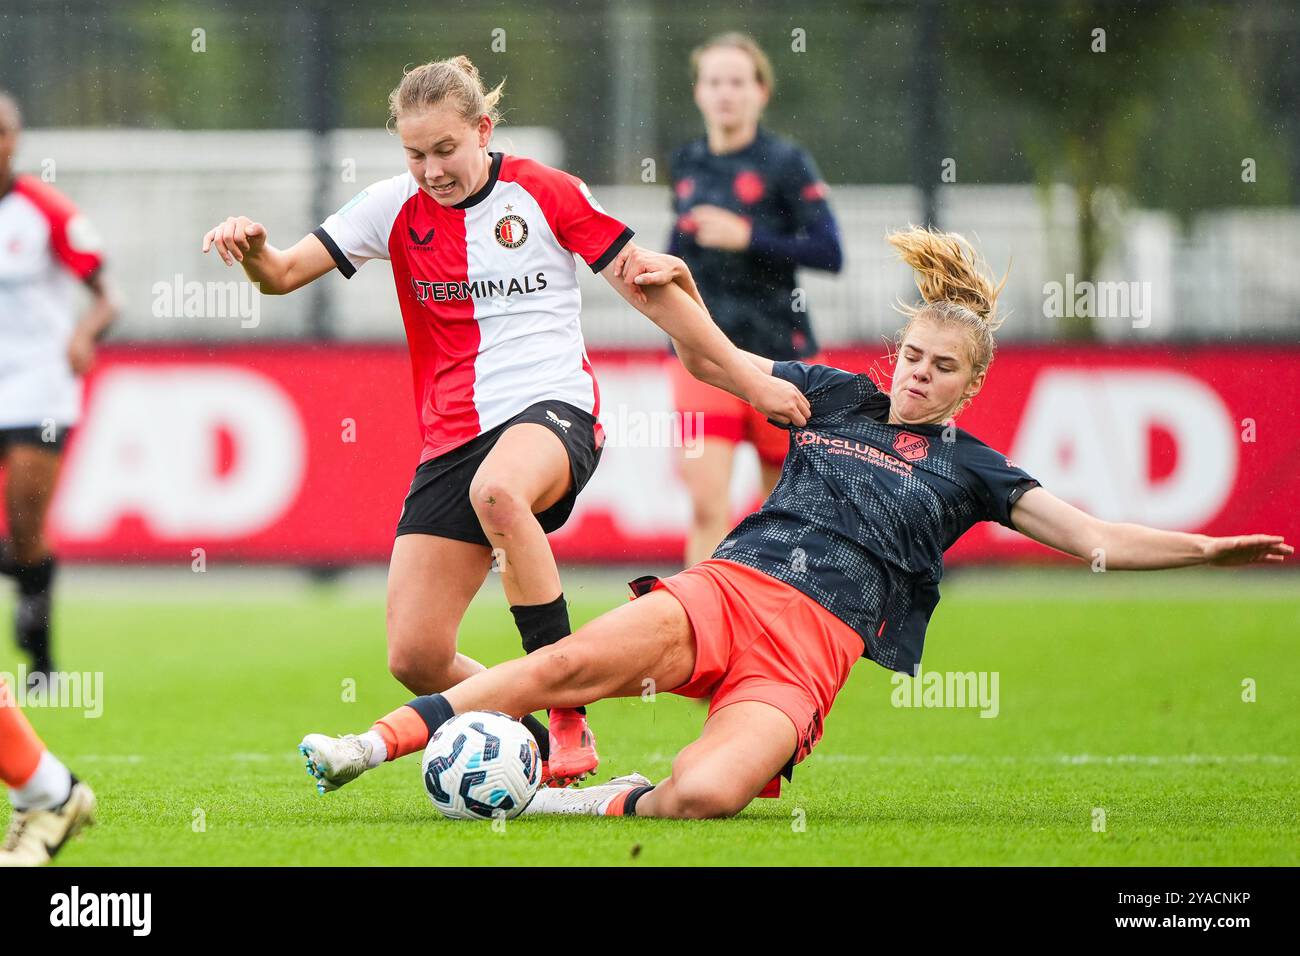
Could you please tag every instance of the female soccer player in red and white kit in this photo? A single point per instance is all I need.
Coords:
(47, 248)
(482, 246)
(842, 561)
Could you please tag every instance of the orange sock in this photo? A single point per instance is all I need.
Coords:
(615, 807)
(20, 748)
(404, 732)
(624, 805)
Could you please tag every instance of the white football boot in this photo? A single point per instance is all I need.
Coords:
(34, 836)
(589, 801)
(334, 761)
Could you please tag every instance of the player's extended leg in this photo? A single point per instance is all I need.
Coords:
(50, 804)
(743, 747)
(646, 639)
(649, 639)
(706, 471)
(32, 474)
(507, 499)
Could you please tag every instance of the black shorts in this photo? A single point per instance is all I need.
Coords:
(438, 502)
(34, 435)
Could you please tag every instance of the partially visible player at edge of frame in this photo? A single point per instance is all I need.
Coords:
(842, 561)
(46, 248)
(482, 246)
(749, 208)
(50, 804)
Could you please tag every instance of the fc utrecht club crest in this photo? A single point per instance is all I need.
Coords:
(912, 447)
(511, 231)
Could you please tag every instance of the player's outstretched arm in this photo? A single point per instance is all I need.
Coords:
(662, 288)
(1133, 547)
(274, 271)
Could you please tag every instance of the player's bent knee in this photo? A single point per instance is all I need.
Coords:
(419, 676)
(424, 665)
(496, 503)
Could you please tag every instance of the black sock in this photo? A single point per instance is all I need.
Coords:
(629, 807)
(32, 613)
(7, 565)
(434, 709)
(540, 734)
(541, 625)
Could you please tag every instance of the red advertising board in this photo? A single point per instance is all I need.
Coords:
(302, 453)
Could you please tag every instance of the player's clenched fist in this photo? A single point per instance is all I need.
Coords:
(780, 401)
(235, 238)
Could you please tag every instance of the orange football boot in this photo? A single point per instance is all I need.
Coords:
(573, 746)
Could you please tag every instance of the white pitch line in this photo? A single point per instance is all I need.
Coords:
(1061, 759)
(882, 759)
(250, 757)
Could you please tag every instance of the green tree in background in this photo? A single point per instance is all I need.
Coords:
(1091, 74)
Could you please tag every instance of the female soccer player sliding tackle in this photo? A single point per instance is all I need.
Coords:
(482, 246)
(843, 560)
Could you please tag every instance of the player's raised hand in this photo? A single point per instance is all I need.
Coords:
(235, 238)
(1247, 549)
(780, 401)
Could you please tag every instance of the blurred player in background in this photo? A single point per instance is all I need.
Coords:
(50, 804)
(46, 249)
(750, 207)
(483, 249)
(843, 561)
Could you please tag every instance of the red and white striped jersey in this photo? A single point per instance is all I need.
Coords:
(46, 247)
(488, 290)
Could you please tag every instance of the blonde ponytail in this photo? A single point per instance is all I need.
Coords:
(955, 287)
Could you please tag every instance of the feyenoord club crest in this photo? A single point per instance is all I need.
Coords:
(511, 231)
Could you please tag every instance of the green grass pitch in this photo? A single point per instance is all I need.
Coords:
(1118, 693)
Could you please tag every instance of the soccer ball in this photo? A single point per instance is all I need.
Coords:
(481, 765)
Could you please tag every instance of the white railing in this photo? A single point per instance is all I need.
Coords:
(152, 194)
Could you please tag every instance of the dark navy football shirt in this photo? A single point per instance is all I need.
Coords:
(864, 510)
(775, 184)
